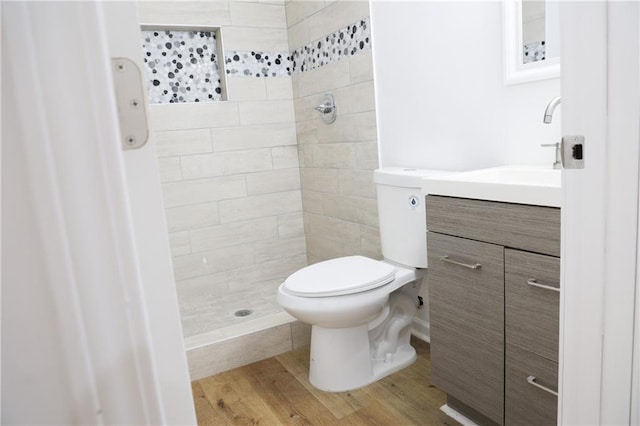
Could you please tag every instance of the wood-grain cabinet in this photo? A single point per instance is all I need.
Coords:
(494, 279)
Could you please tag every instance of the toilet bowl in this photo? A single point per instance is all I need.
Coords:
(360, 309)
(356, 336)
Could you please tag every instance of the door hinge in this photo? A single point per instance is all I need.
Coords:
(132, 111)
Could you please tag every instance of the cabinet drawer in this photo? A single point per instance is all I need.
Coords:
(467, 322)
(531, 311)
(531, 228)
(525, 403)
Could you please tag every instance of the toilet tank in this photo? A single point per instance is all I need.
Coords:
(402, 214)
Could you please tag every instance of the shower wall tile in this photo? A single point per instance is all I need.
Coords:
(258, 206)
(189, 192)
(247, 89)
(320, 180)
(212, 262)
(361, 67)
(279, 88)
(179, 243)
(274, 181)
(194, 292)
(265, 112)
(285, 157)
(194, 216)
(226, 163)
(192, 115)
(255, 39)
(367, 155)
(169, 169)
(299, 34)
(370, 240)
(312, 202)
(335, 16)
(248, 14)
(321, 248)
(356, 98)
(266, 251)
(341, 232)
(336, 161)
(182, 142)
(349, 128)
(246, 137)
(275, 271)
(352, 209)
(306, 114)
(233, 234)
(187, 13)
(357, 183)
(305, 155)
(324, 79)
(234, 210)
(299, 10)
(332, 155)
(291, 225)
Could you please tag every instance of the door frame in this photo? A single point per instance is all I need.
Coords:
(600, 95)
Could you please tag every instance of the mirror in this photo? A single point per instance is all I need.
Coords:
(531, 40)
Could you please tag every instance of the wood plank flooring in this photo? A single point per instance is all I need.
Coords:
(277, 391)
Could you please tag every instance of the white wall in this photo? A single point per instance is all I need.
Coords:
(440, 96)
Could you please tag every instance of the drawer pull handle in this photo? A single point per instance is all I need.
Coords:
(532, 381)
(466, 265)
(533, 282)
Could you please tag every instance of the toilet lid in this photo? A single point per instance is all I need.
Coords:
(345, 275)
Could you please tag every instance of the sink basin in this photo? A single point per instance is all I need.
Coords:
(511, 184)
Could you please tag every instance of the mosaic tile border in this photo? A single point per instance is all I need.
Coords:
(181, 66)
(240, 63)
(346, 41)
(534, 52)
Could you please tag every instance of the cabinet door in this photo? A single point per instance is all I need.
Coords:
(531, 382)
(467, 321)
(532, 293)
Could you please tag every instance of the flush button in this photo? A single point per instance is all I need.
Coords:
(414, 202)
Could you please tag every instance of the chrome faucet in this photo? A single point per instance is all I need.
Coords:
(548, 115)
(548, 112)
(558, 146)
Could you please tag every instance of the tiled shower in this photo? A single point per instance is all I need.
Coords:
(255, 185)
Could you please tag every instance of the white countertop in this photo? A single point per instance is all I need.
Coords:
(511, 184)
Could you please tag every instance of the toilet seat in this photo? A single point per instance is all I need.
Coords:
(337, 277)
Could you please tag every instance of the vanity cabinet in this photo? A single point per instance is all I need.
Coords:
(493, 281)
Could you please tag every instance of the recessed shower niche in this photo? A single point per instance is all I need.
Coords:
(183, 64)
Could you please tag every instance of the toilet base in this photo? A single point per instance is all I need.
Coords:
(341, 359)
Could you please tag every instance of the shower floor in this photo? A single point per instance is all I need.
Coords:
(235, 314)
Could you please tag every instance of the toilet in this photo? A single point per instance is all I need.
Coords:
(360, 309)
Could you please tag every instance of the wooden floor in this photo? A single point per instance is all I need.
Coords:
(276, 391)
